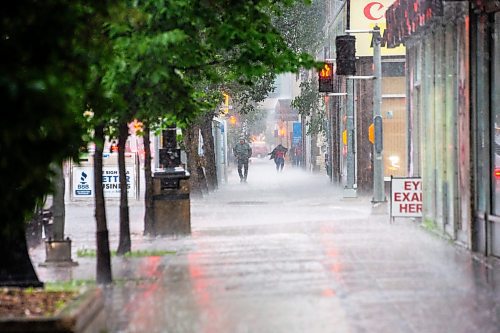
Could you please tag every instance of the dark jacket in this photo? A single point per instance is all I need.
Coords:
(278, 148)
(242, 151)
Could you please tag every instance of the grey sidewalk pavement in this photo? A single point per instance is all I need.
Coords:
(285, 253)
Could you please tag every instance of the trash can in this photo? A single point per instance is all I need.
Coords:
(171, 202)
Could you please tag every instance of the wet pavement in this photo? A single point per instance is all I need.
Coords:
(285, 253)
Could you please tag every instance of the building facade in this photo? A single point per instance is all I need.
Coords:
(452, 55)
(359, 18)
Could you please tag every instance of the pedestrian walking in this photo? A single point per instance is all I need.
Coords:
(298, 155)
(242, 152)
(278, 154)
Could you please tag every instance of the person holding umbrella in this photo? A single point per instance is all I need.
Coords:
(278, 154)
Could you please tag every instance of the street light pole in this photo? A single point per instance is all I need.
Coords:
(378, 162)
(350, 188)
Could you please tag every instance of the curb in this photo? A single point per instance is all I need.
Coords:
(83, 315)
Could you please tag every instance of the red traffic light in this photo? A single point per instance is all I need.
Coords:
(327, 71)
(325, 78)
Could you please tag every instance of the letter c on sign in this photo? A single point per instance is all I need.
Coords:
(368, 10)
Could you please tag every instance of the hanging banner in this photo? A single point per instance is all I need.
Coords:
(297, 133)
(406, 197)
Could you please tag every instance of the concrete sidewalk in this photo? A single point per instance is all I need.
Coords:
(285, 253)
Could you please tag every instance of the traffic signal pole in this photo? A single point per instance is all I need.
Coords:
(378, 161)
(346, 65)
(350, 186)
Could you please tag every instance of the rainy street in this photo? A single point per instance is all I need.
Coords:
(286, 253)
(127, 123)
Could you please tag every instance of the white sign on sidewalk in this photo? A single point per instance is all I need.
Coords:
(406, 197)
(83, 182)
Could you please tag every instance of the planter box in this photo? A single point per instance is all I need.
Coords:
(58, 253)
(85, 314)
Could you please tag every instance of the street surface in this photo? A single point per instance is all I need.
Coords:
(285, 253)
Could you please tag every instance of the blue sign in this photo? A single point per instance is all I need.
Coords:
(297, 133)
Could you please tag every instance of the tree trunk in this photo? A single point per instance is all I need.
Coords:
(148, 176)
(16, 269)
(103, 268)
(124, 244)
(58, 208)
(209, 151)
(191, 144)
(314, 152)
(201, 175)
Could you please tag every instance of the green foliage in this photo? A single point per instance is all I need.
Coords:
(430, 225)
(68, 68)
(79, 285)
(301, 25)
(247, 96)
(71, 285)
(145, 59)
(42, 74)
(309, 103)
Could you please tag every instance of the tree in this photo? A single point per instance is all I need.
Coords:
(300, 29)
(309, 106)
(303, 28)
(302, 25)
(308, 103)
(42, 73)
(124, 243)
(196, 180)
(148, 176)
(90, 65)
(234, 41)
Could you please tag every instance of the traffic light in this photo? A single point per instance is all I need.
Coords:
(346, 55)
(226, 103)
(232, 120)
(325, 78)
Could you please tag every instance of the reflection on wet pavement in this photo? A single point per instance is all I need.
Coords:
(285, 253)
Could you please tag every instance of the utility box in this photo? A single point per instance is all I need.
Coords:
(58, 253)
(171, 191)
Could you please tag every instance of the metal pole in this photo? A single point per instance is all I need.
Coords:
(378, 162)
(350, 190)
(225, 149)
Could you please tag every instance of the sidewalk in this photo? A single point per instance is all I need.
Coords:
(285, 253)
